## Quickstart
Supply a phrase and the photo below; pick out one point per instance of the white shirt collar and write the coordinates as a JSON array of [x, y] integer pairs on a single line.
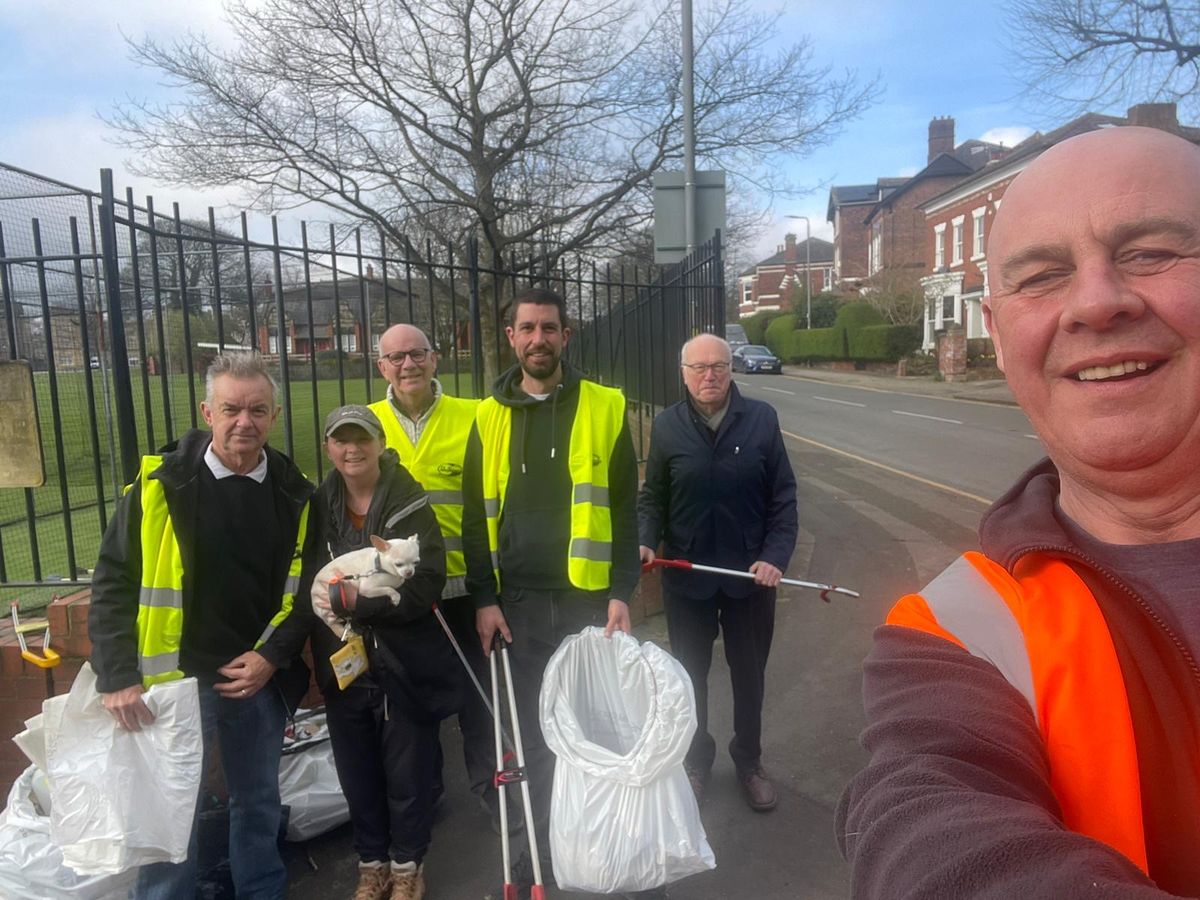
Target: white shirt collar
[[220, 470]]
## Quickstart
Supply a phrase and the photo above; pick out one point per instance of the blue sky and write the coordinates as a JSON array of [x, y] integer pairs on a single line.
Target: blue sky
[[63, 60]]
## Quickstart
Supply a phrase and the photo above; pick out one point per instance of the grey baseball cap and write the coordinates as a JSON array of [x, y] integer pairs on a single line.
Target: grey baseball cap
[[353, 414]]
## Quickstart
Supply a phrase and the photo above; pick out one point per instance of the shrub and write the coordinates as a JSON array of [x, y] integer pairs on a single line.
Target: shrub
[[756, 325], [816, 345], [778, 337], [883, 343], [857, 315]]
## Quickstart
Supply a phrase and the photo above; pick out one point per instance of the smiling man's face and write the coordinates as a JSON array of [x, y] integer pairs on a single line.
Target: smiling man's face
[[1094, 264]]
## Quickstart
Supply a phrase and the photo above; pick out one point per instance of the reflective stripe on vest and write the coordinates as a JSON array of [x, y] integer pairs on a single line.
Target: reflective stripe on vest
[[436, 463], [160, 599], [599, 418], [1043, 630]]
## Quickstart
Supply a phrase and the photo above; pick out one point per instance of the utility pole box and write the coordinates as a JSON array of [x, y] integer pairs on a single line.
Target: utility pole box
[[670, 229]]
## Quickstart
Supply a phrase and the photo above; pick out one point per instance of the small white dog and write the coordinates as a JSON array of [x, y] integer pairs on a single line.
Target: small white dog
[[376, 572]]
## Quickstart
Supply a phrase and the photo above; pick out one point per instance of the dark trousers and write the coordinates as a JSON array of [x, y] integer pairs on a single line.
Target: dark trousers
[[539, 620], [386, 762], [747, 625], [474, 721]]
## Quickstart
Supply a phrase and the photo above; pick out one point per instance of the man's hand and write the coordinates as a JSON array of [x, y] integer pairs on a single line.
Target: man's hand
[[766, 574], [618, 615], [646, 554], [128, 708], [487, 621], [247, 674]]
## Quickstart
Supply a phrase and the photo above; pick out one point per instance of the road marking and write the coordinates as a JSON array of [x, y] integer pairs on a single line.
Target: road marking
[[1034, 436], [870, 462], [875, 390], [843, 402], [780, 391], [742, 383], [901, 412]]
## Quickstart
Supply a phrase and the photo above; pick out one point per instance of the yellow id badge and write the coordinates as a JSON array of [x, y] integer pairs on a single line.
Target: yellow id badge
[[349, 662]]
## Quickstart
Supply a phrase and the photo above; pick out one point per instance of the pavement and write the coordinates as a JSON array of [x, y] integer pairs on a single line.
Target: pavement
[[987, 391]]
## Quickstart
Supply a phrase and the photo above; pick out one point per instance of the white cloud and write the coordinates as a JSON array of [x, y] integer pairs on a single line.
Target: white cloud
[[1008, 135]]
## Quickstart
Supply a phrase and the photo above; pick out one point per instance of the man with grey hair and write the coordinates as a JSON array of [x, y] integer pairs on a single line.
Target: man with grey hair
[[197, 576], [720, 491]]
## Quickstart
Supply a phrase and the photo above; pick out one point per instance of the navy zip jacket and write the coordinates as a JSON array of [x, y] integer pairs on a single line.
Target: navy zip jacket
[[726, 499]]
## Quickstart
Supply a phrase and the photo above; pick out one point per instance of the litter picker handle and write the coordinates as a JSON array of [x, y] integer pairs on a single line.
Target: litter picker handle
[[825, 589]]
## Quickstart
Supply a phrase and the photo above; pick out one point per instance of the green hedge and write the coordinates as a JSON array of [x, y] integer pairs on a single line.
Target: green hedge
[[883, 343], [859, 333], [778, 335], [756, 325], [817, 345]]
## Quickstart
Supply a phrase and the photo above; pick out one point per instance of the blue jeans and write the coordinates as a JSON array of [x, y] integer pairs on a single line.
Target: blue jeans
[[251, 736]]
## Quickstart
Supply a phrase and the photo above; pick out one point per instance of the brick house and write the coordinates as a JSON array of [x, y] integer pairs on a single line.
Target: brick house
[[898, 248], [879, 229], [956, 220], [777, 282], [849, 206]]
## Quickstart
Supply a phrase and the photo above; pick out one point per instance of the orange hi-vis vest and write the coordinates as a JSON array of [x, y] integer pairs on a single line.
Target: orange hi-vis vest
[[1043, 629]]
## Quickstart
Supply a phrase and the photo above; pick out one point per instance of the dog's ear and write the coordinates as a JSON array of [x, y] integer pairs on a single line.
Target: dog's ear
[[413, 538], [380, 544]]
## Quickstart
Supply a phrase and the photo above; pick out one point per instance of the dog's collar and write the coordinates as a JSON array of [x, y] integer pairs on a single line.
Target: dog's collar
[[376, 569]]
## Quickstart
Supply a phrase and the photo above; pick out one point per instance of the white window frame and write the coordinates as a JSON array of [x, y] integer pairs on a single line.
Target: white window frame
[[939, 245], [827, 279], [956, 242], [978, 217], [876, 247], [348, 342]]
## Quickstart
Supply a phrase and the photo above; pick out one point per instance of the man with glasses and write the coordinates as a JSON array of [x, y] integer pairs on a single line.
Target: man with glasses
[[720, 491], [429, 430]]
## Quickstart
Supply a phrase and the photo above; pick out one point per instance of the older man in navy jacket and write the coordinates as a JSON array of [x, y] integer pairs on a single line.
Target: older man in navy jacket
[[720, 491]]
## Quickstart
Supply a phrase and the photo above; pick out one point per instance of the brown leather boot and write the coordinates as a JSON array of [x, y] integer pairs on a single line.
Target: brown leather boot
[[374, 882], [408, 885], [760, 793]]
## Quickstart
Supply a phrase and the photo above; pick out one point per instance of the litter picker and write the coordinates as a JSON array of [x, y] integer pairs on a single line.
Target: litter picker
[[506, 777], [825, 589]]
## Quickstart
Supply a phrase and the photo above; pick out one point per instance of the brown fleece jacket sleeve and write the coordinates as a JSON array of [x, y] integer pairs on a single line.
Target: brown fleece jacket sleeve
[[956, 800]]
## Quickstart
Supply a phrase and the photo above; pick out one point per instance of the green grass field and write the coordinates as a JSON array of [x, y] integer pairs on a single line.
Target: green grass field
[[78, 470]]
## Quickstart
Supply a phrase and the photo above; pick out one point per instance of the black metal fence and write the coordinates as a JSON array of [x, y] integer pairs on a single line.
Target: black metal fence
[[119, 308]]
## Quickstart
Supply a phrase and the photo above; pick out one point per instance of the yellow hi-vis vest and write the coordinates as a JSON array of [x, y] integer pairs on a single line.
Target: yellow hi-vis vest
[[437, 464], [598, 422], [160, 601]]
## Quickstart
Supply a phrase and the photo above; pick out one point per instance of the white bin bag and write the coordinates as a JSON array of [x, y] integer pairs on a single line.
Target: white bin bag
[[308, 781], [619, 716], [31, 865], [120, 799]]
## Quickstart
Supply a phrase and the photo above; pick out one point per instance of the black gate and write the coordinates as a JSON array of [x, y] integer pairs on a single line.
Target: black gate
[[119, 308]]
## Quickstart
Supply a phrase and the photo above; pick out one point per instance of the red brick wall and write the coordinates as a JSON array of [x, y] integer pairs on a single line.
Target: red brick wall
[[952, 353], [853, 241], [904, 243], [985, 197]]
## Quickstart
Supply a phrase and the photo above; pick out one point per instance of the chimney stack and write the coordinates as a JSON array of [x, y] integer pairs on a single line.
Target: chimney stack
[[1154, 115], [789, 248], [941, 136]]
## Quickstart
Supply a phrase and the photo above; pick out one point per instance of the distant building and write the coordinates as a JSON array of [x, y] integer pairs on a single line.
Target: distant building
[[777, 282], [880, 228], [957, 219]]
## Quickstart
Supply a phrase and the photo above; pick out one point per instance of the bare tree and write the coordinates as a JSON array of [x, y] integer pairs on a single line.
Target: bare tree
[[1082, 52], [897, 295], [532, 125]]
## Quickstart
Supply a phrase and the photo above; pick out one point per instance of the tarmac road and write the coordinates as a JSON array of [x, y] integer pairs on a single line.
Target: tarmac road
[[886, 501]]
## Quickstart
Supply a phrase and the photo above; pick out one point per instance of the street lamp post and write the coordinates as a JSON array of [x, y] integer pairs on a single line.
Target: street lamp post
[[807, 269]]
